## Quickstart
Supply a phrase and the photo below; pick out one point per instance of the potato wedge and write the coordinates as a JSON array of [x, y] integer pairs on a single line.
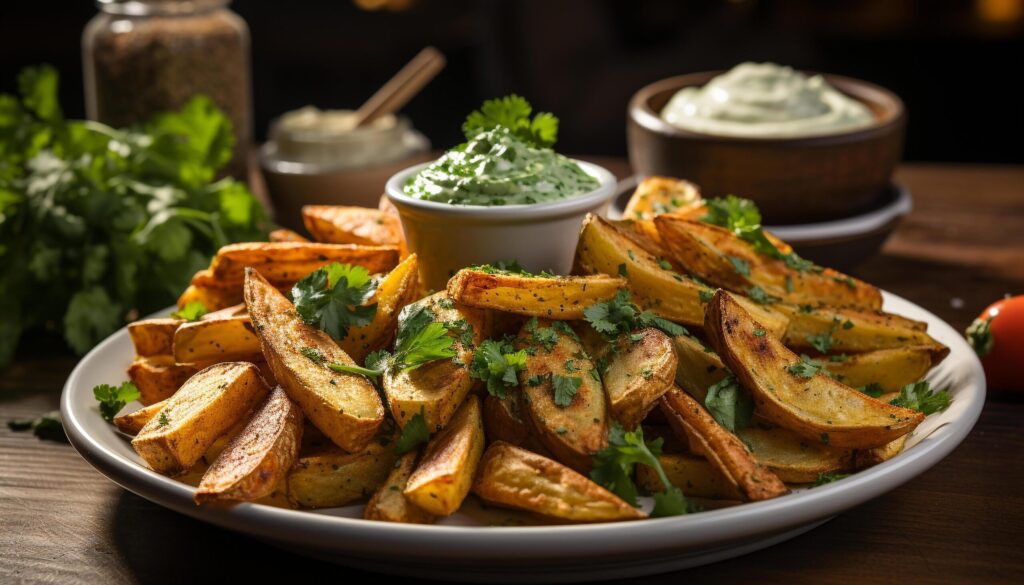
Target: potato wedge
[[657, 195], [699, 366], [866, 331], [638, 375], [791, 457], [213, 299], [603, 248], [556, 297], [818, 408], [284, 263], [334, 478], [205, 407], [516, 478], [286, 235], [337, 224], [892, 369], [399, 288], [131, 423], [503, 419], [576, 429], [443, 477], [643, 233], [723, 449], [152, 337], [217, 340], [259, 458], [695, 476], [438, 388], [870, 457], [158, 377], [389, 503], [345, 407], [722, 258]]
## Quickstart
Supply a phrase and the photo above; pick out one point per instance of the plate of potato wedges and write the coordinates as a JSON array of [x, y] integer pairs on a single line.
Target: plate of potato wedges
[[692, 391]]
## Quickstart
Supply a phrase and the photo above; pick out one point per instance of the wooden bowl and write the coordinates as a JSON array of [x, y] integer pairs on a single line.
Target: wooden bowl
[[792, 179]]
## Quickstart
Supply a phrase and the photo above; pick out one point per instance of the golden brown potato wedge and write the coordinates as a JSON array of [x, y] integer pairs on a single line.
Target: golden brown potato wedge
[[344, 406], [438, 388], [870, 457], [389, 503], [443, 477], [603, 248], [399, 288], [152, 337], [516, 478], [131, 423], [259, 458], [335, 478], [284, 263], [213, 299], [722, 258], [699, 366], [571, 426], [723, 449], [892, 369], [204, 408], [791, 457], [554, 297], [638, 375], [644, 234], [817, 408], [503, 419], [657, 195], [336, 224], [695, 476], [217, 340], [286, 235], [158, 377]]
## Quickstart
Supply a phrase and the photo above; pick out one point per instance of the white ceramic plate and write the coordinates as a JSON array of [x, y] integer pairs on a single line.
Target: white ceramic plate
[[458, 550]]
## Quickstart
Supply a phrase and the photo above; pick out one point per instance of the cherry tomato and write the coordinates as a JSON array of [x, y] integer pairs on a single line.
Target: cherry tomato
[[997, 335]]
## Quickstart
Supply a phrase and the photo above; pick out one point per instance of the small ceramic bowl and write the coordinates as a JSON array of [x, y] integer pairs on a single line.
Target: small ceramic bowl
[[542, 236]]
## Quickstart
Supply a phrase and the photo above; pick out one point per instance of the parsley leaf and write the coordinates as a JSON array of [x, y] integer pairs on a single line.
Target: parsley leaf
[[414, 433], [759, 296], [741, 217], [806, 368], [729, 404], [513, 112], [314, 355], [48, 426], [192, 311], [498, 364], [874, 389], [824, 478], [113, 398], [823, 341], [920, 397], [620, 316], [510, 267], [741, 266], [163, 419], [333, 298], [420, 340], [565, 388], [614, 467]]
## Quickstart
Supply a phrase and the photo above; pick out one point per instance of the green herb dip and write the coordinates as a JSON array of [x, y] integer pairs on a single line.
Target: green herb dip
[[497, 168]]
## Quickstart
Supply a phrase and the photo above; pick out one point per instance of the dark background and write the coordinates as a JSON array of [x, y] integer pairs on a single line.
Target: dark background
[[956, 63]]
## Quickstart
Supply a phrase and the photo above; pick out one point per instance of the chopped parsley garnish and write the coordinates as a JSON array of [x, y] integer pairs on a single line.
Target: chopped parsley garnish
[[314, 355], [874, 389], [789, 283], [979, 336], [806, 368], [742, 218], [513, 112], [839, 358], [510, 267], [498, 365], [759, 296], [759, 332], [848, 281], [47, 426], [615, 465], [823, 341], [545, 337], [414, 433], [463, 331], [920, 397], [333, 298], [620, 316], [706, 295], [824, 478], [663, 264], [192, 311], [647, 373], [113, 398], [163, 419], [420, 340], [565, 388], [623, 272], [740, 265], [730, 404], [535, 380]]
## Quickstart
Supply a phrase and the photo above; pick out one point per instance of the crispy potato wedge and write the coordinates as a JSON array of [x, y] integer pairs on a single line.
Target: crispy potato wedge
[[389, 503], [335, 478], [438, 388], [158, 377], [443, 477], [131, 423], [892, 369], [558, 297], [699, 366], [712, 253], [516, 478], [344, 406], [259, 458], [213, 299], [657, 195], [217, 340], [205, 407], [286, 235], [867, 330], [638, 375], [574, 432], [504, 420], [794, 459], [723, 449], [818, 408], [870, 457], [336, 224], [284, 263], [603, 248], [644, 234], [399, 288], [695, 476], [152, 337]]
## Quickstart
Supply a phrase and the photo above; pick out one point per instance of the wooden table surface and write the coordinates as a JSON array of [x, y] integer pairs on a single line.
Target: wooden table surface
[[962, 521]]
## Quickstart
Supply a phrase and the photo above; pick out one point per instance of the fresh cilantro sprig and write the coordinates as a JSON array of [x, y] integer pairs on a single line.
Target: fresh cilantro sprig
[[48, 426], [730, 404], [414, 433], [920, 397], [498, 364], [334, 298], [113, 398], [192, 311], [743, 218], [513, 112], [615, 465], [620, 316]]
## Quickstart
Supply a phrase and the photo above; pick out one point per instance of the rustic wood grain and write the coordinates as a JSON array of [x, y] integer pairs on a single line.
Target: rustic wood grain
[[962, 521]]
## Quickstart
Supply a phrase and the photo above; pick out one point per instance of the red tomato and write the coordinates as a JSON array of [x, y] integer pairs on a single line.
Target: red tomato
[[997, 335]]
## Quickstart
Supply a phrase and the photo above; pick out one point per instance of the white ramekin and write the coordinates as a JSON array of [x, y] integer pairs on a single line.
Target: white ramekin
[[541, 236]]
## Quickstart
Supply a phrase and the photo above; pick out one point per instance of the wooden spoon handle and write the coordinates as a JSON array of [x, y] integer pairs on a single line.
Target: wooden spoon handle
[[402, 87]]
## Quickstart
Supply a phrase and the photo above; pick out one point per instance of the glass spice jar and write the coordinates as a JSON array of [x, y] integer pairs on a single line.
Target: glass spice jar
[[142, 57]]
